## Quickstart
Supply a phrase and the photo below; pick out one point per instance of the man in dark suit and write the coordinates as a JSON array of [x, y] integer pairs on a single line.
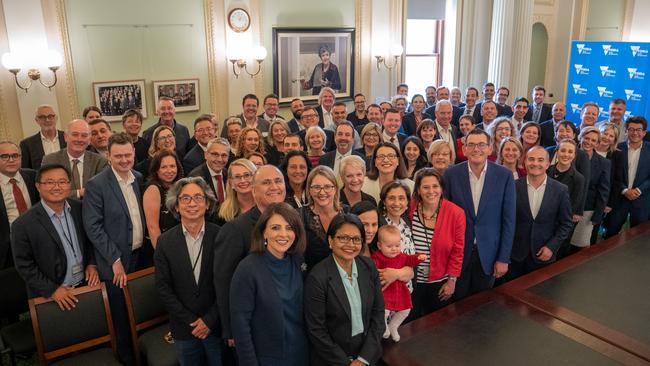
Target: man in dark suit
[[100, 132], [248, 117], [204, 131], [520, 107], [631, 180], [326, 99], [132, 124], [213, 170], [445, 130], [271, 105], [488, 95], [233, 241], [543, 216], [344, 140], [443, 94], [548, 127], [310, 118], [539, 111], [502, 101], [82, 164], [486, 191], [471, 96], [51, 250], [167, 114], [184, 262], [489, 113], [296, 110], [46, 141], [391, 125], [18, 191], [114, 221]]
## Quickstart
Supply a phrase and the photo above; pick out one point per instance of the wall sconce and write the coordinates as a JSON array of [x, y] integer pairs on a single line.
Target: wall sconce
[[238, 59], [396, 51], [14, 63]]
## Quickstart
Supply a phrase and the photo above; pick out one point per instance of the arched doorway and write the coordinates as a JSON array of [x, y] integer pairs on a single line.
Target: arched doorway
[[538, 51]]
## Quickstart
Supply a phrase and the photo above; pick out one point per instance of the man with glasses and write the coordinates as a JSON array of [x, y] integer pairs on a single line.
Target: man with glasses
[[46, 141], [631, 179], [18, 195], [51, 250], [271, 106], [310, 118], [233, 241], [82, 164], [204, 131], [213, 169], [486, 191], [358, 116], [114, 221]]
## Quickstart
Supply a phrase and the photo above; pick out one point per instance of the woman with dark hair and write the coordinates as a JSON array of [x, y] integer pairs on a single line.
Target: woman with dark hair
[[509, 155], [325, 74], [250, 140], [387, 165], [344, 305], [414, 155], [412, 120], [530, 135], [91, 112], [163, 138], [352, 170], [163, 172], [426, 132], [466, 123], [296, 167], [367, 213], [438, 229], [393, 210], [266, 293]]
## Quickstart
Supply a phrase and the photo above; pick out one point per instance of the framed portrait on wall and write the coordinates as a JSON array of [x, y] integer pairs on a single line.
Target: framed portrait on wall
[[308, 59], [184, 92], [116, 97]]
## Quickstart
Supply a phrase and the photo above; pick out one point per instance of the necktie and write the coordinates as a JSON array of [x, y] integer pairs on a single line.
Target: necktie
[[219, 187], [392, 140], [75, 174], [21, 205], [536, 112]]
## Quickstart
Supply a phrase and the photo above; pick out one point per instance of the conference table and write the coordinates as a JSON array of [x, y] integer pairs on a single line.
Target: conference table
[[591, 308]]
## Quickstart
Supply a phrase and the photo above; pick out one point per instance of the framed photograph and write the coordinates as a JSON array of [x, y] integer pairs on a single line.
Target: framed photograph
[[116, 97], [185, 93], [308, 59]]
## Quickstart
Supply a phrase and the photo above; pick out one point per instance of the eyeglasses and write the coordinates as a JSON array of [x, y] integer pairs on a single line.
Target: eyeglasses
[[328, 188], [52, 183], [480, 146], [6, 157], [44, 117], [307, 116], [346, 239], [634, 130], [186, 199], [504, 129], [386, 157], [165, 138], [238, 178]]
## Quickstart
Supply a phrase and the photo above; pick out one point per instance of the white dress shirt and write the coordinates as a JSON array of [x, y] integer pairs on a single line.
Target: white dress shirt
[[445, 134], [134, 208], [535, 196], [8, 195], [328, 121], [337, 161], [50, 146], [387, 138], [633, 156], [195, 250], [476, 186]]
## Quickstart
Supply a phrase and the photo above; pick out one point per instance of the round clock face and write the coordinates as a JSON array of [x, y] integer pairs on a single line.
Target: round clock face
[[239, 20]]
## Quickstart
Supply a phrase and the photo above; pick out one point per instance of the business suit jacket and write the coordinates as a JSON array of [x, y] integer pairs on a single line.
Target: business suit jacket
[[493, 226], [203, 172], [575, 183], [328, 159], [32, 151], [180, 131], [456, 112], [294, 126], [506, 110], [327, 314], [233, 245], [93, 164], [29, 177], [193, 158], [107, 220], [501, 111], [641, 180], [455, 134], [319, 110], [598, 185], [38, 250], [545, 114], [409, 124], [551, 227], [548, 133], [184, 299]]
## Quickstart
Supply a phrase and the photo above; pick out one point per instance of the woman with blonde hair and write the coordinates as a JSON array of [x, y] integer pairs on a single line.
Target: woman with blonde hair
[[509, 155], [352, 170], [499, 129], [278, 130], [163, 138], [239, 190], [232, 131], [315, 140], [441, 155], [250, 140], [370, 138]]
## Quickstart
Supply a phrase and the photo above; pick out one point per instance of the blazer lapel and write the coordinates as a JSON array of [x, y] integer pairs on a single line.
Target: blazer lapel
[[336, 282], [117, 191], [522, 191], [189, 261], [44, 220], [365, 287], [467, 191]]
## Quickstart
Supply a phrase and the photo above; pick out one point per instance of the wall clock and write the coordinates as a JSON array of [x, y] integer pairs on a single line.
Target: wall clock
[[239, 20]]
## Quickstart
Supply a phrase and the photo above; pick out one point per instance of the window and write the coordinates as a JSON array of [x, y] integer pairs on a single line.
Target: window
[[423, 56]]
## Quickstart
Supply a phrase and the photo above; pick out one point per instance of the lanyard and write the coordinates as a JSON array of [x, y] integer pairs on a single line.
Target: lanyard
[[196, 260], [67, 232]]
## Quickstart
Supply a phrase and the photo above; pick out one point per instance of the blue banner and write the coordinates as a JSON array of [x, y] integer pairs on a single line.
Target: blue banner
[[602, 71]]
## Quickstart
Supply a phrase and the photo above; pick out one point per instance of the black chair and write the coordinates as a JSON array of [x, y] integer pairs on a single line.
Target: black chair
[[149, 320], [17, 336], [88, 325]]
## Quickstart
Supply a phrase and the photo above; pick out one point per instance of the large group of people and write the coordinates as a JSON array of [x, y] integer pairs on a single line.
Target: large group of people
[[307, 240]]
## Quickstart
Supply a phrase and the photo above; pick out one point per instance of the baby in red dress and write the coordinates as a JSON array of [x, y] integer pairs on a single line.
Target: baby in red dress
[[397, 298]]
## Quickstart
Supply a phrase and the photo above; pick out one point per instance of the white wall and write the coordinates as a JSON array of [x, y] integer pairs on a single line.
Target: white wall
[[640, 27]]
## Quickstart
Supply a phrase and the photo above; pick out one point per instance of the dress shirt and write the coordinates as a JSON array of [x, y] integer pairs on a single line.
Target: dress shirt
[[8, 195], [80, 170], [328, 121], [469, 110], [537, 111], [134, 208], [50, 146], [535, 196], [445, 134], [195, 250], [476, 185], [215, 182], [387, 138], [337, 160], [633, 156], [354, 297], [517, 125], [66, 229]]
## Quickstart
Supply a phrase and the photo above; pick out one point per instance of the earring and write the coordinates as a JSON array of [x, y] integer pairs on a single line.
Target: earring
[[266, 242]]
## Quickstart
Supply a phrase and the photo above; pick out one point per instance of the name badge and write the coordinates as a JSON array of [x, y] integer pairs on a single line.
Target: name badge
[[77, 268]]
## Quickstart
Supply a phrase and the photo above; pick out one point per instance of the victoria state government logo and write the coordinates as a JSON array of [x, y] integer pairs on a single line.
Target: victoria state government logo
[[581, 69], [583, 49], [579, 90], [605, 71], [631, 95], [575, 108], [637, 51], [603, 92], [634, 74], [608, 50]]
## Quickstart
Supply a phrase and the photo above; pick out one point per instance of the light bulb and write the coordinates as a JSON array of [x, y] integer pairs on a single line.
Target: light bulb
[[396, 50], [259, 53], [52, 58], [11, 61]]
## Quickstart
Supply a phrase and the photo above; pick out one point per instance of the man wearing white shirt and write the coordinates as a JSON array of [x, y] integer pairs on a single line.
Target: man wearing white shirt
[[326, 99], [471, 95], [392, 123], [520, 108], [343, 138], [444, 129], [616, 115], [213, 169], [339, 113], [204, 131], [46, 141]]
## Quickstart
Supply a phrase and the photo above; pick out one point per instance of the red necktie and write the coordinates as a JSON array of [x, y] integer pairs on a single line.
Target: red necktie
[[21, 205], [219, 187]]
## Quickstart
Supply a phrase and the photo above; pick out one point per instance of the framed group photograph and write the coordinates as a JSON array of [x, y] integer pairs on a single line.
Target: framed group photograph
[[116, 97], [308, 59], [184, 92]]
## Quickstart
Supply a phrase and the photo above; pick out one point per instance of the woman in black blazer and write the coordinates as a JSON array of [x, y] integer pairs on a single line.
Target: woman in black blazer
[[266, 293], [344, 306]]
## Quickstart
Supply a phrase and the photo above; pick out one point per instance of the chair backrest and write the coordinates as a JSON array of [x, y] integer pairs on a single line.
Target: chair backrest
[[13, 297], [142, 302], [58, 332]]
